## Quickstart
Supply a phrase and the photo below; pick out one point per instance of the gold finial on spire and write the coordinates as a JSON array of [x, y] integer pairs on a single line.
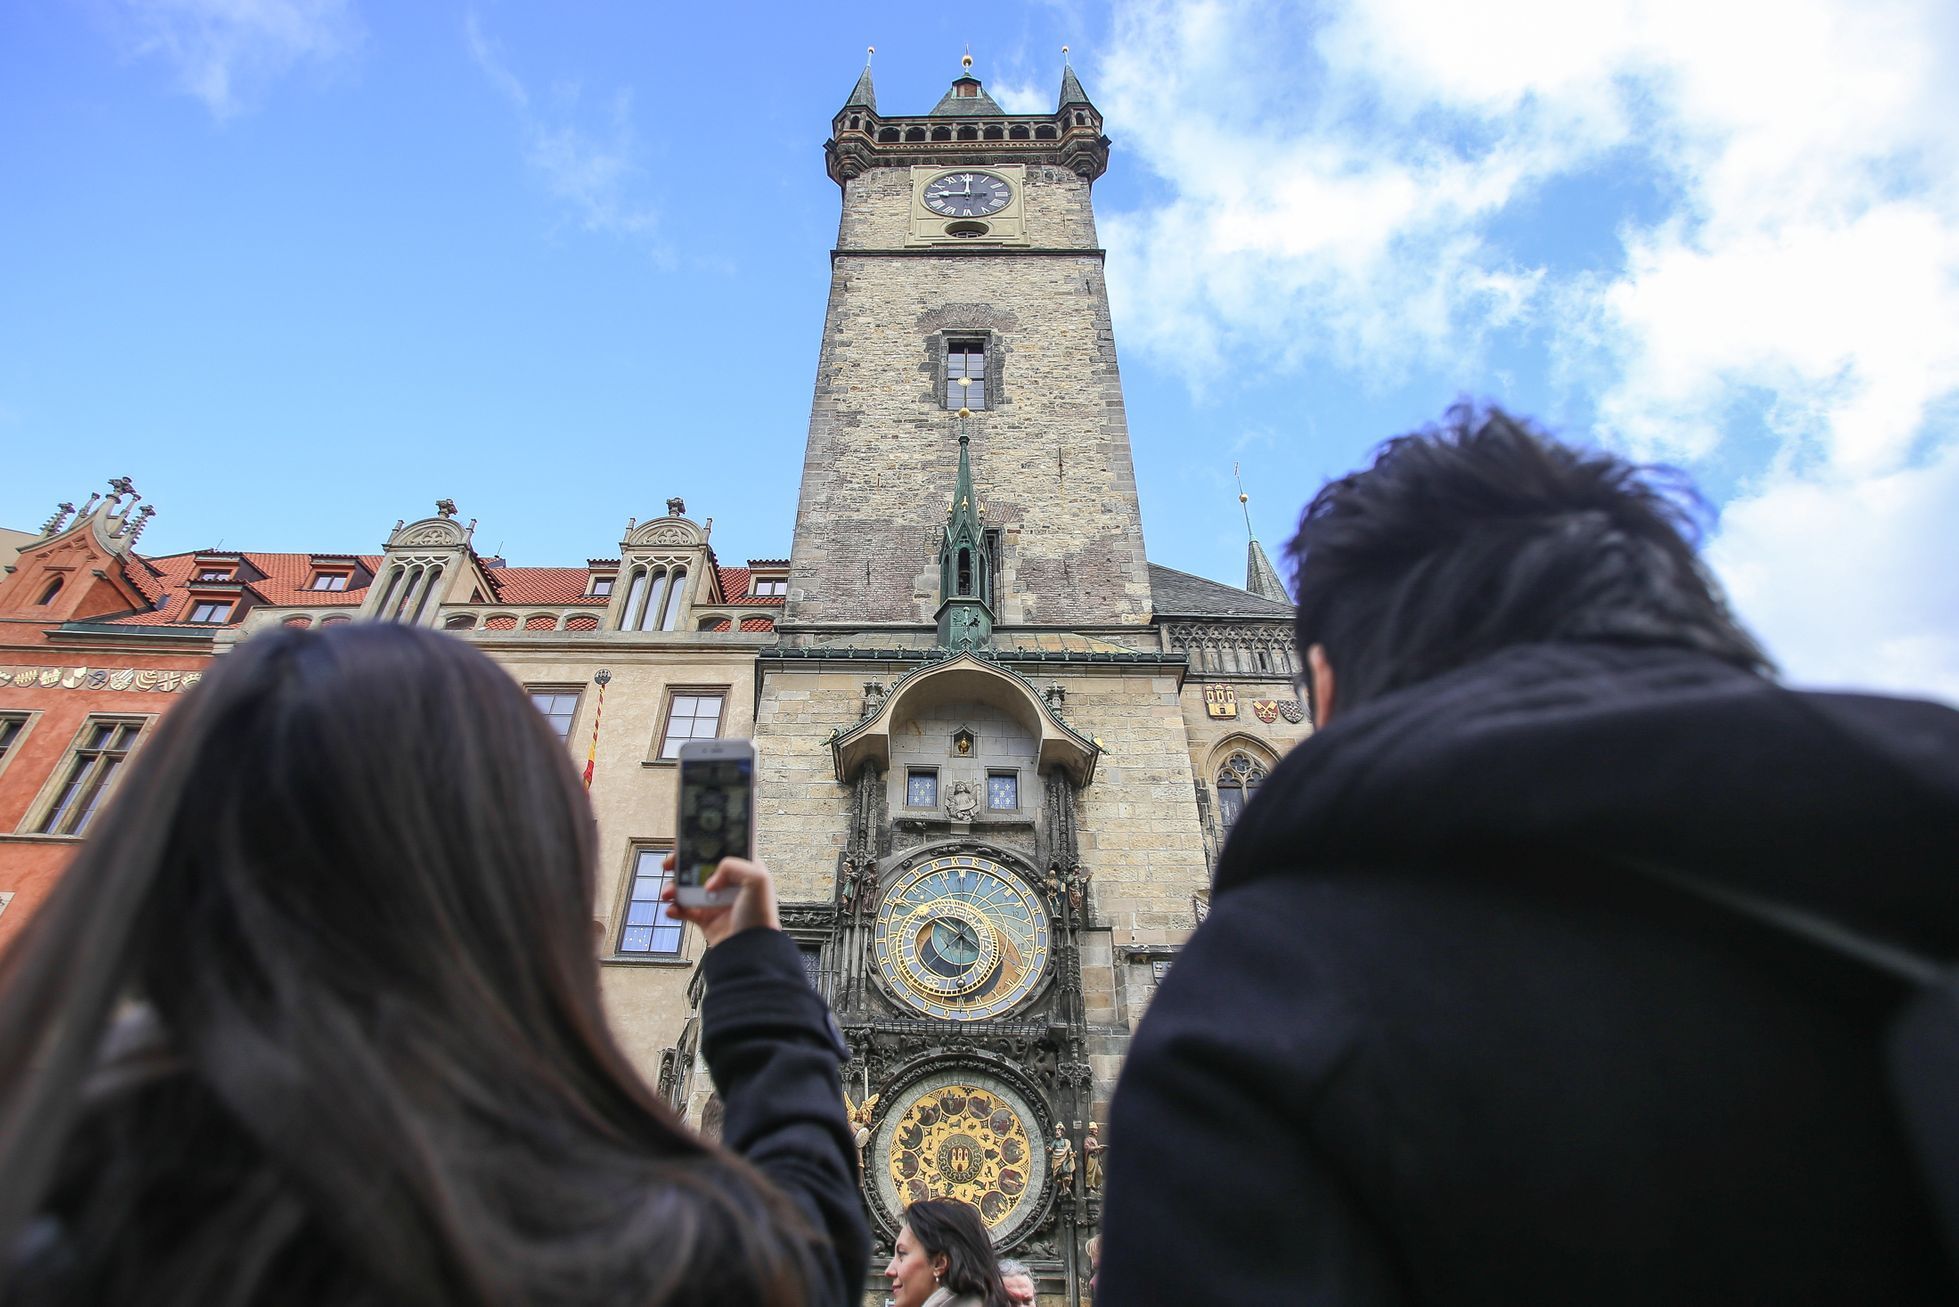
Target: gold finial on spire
[[966, 60], [869, 50], [1064, 56], [1244, 501]]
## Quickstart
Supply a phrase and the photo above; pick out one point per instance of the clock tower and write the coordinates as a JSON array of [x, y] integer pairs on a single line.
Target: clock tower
[[979, 767]]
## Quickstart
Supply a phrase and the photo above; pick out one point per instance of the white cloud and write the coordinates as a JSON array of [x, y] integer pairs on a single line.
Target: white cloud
[[1850, 581], [1791, 316], [224, 52], [596, 175]]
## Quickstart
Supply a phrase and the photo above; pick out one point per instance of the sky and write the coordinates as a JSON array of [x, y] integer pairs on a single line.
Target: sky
[[300, 268]]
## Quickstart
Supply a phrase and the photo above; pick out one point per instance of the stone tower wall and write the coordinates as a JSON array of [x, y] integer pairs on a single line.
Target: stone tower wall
[[1051, 458]]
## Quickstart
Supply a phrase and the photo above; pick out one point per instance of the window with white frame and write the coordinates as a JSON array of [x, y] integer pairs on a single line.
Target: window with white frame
[[558, 707], [647, 930], [691, 715]]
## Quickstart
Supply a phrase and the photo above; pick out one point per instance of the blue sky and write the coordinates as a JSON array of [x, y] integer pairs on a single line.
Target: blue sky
[[301, 267]]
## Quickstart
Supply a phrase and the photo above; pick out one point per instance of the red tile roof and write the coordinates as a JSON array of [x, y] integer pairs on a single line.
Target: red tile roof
[[542, 585], [735, 582], [280, 579], [758, 623]]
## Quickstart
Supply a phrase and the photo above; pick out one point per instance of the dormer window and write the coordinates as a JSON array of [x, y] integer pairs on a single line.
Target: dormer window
[[600, 586], [330, 580], [210, 611], [765, 587], [214, 573], [47, 595]]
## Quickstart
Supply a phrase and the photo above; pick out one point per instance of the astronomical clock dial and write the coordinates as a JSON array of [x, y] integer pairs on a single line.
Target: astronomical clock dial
[[967, 194], [962, 1135], [959, 938]]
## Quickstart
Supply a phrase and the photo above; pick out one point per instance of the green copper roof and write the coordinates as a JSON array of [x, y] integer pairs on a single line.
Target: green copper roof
[[861, 95], [1071, 89], [963, 521], [976, 105]]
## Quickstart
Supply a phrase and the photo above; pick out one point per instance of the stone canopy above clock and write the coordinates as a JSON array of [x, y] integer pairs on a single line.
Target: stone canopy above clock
[[966, 127]]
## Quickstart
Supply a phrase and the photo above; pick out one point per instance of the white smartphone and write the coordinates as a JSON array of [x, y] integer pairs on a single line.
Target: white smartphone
[[717, 816]]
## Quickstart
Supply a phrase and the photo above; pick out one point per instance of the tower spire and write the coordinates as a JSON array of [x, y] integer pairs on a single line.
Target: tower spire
[[863, 95], [1261, 578], [965, 563]]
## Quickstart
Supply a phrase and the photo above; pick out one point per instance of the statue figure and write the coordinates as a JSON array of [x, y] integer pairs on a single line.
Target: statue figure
[[1092, 1161], [859, 1115], [445, 508], [962, 802], [1061, 1160]]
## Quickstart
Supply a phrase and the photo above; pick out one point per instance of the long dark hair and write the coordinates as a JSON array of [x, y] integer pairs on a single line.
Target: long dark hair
[[1483, 532], [314, 1017], [952, 1228]]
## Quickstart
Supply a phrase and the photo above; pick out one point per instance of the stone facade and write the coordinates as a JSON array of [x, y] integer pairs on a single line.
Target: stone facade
[[1099, 687]]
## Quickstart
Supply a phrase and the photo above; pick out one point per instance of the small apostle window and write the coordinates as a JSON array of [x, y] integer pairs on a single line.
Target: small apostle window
[[1003, 790], [922, 788]]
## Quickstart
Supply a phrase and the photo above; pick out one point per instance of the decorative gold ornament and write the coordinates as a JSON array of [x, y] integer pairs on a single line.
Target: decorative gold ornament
[[963, 1141]]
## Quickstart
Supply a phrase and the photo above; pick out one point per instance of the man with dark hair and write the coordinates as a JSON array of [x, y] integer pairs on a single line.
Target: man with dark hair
[[1473, 1017]]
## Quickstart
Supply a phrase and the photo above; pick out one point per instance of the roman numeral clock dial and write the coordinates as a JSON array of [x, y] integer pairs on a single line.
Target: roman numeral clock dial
[[967, 194], [960, 938]]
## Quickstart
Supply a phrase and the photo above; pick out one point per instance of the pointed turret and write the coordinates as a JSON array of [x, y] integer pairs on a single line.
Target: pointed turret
[[1261, 578], [965, 563], [1071, 87], [863, 95]]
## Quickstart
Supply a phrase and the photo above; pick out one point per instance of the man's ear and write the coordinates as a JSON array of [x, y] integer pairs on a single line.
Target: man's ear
[[1322, 673]]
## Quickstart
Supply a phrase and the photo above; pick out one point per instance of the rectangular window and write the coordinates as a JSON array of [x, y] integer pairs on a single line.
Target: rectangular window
[[210, 610], [11, 725], [690, 717], [558, 707], [965, 360], [1003, 790], [601, 586], [330, 580], [922, 788], [812, 964], [214, 573], [101, 750], [764, 588], [647, 930]]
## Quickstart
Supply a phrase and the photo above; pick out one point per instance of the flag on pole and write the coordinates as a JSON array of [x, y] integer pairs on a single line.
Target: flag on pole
[[598, 711]]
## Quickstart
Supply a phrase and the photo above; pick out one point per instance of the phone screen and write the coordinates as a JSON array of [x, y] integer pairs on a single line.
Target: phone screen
[[714, 799]]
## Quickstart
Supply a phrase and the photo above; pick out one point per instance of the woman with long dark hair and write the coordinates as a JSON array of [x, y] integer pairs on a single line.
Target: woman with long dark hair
[[944, 1258], [314, 1018]]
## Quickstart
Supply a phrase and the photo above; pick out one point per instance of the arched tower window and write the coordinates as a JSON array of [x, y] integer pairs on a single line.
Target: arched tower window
[[385, 608], [47, 595], [635, 601], [1238, 779], [965, 571], [676, 590]]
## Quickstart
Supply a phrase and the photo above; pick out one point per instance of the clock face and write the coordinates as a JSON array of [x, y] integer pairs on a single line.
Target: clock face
[[960, 1133], [967, 194], [960, 938]]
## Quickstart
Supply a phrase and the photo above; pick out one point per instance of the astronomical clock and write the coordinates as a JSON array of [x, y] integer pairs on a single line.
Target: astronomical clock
[[961, 938]]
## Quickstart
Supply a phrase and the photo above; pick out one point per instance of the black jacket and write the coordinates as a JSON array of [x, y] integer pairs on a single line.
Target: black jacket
[[773, 1050], [1434, 1044]]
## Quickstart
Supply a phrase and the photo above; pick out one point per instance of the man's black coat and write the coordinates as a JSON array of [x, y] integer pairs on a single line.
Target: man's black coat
[[1434, 1045]]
